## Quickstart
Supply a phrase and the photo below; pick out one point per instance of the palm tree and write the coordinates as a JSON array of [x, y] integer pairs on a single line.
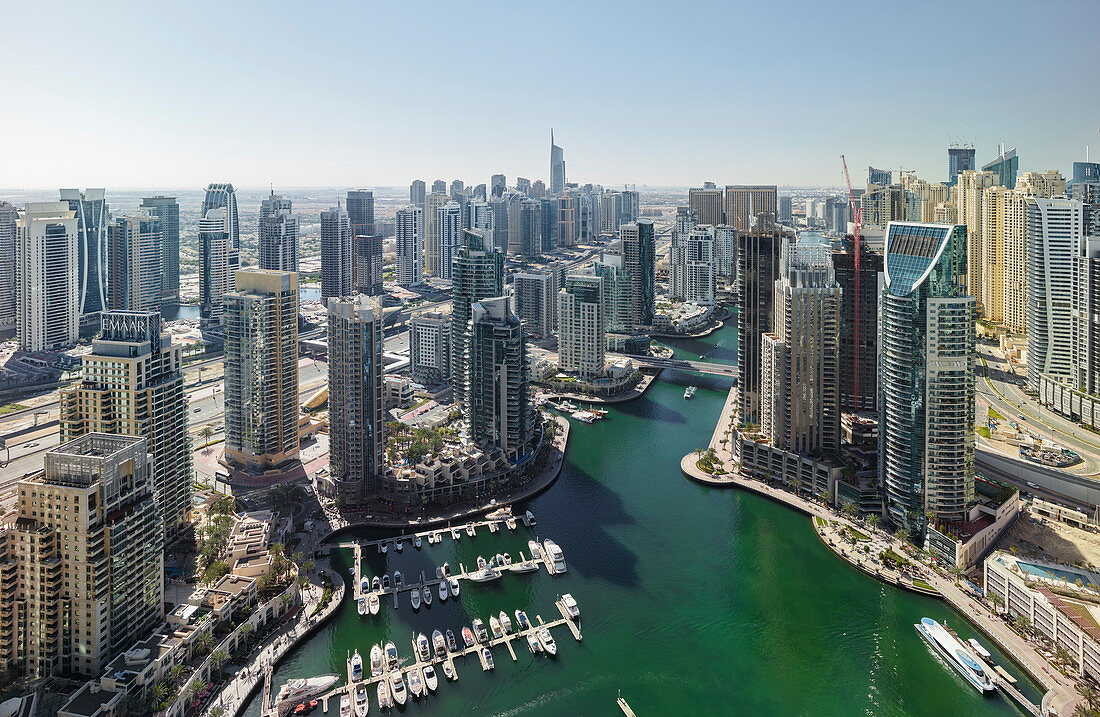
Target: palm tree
[[218, 658], [176, 672], [900, 535], [1062, 655], [217, 711], [957, 573], [160, 694], [874, 521], [207, 433], [796, 484], [1081, 711], [1090, 693], [195, 688], [997, 601]]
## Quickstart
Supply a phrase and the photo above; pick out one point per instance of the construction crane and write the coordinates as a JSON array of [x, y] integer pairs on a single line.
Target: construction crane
[[857, 218]]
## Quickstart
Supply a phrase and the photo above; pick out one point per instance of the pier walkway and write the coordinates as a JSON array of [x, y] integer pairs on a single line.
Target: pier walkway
[[1060, 694]]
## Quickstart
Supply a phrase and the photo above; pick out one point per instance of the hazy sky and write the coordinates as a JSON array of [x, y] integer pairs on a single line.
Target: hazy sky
[[367, 93]]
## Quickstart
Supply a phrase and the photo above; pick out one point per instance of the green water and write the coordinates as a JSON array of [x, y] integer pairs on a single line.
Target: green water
[[693, 600]]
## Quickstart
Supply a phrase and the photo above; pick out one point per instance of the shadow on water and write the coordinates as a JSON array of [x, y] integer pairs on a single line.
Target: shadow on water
[[652, 411]]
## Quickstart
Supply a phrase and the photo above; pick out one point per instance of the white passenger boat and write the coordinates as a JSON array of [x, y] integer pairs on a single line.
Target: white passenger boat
[[303, 688], [524, 566], [494, 625], [362, 704], [488, 655], [978, 649], [505, 622], [384, 699], [416, 599], [439, 643], [391, 655], [951, 649], [452, 584], [522, 622], [547, 641], [427, 592], [530, 518], [416, 682], [423, 647], [454, 533], [356, 667], [484, 575], [535, 548], [572, 609], [448, 671], [372, 604], [362, 607], [443, 591], [499, 513], [375, 584], [345, 705], [430, 679], [479, 631], [554, 554], [533, 644], [375, 660], [399, 544], [510, 522], [397, 686], [417, 542]]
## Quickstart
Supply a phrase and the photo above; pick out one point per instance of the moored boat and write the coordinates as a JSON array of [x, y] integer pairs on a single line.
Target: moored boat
[[547, 641], [494, 625], [391, 655], [416, 682], [510, 522], [479, 631], [417, 542], [488, 655], [362, 606], [416, 599], [442, 591], [499, 513], [373, 604], [429, 678], [356, 667], [345, 705], [375, 584], [305, 687], [423, 647], [978, 649], [530, 518], [386, 582], [470, 530], [571, 608], [951, 649], [452, 585], [448, 671], [384, 699], [468, 637], [375, 660], [524, 566], [493, 527], [689, 392], [398, 544], [397, 581], [452, 644], [554, 554], [522, 621], [397, 686], [533, 644], [455, 533], [535, 548], [427, 592], [439, 643], [364, 586], [362, 704], [505, 622], [383, 547]]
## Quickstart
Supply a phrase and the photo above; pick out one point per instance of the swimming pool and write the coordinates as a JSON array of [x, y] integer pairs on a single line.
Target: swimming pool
[[1056, 574]]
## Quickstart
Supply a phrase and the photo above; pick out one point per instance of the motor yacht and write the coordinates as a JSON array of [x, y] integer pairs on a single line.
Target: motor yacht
[[547, 641], [391, 655], [487, 653], [303, 688], [386, 583], [951, 649], [443, 591], [397, 686], [452, 585], [423, 647], [345, 705], [572, 609], [416, 599], [533, 644], [398, 544], [470, 530], [417, 542], [448, 671], [554, 554], [468, 637], [479, 631], [452, 644], [384, 699], [439, 643], [494, 625], [505, 622], [373, 604], [427, 592], [416, 682], [362, 607], [522, 621], [375, 584], [362, 704], [430, 679], [356, 667], [375, 660]]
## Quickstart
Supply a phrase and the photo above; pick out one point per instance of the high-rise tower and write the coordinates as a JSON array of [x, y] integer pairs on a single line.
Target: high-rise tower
[[409, 231], [91, 215], [220, 242], [557, 168], [278, 235], [135, 271], [477, 273], [167, 209], [337, 278], [47, 277]]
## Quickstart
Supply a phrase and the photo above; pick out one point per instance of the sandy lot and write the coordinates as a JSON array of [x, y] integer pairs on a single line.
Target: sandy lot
[[1056, 542]]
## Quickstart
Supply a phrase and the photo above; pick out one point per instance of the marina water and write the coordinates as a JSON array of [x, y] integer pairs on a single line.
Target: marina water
[[693, 600]]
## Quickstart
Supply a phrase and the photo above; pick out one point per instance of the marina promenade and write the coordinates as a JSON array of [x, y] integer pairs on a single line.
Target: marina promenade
[[1060, 694]]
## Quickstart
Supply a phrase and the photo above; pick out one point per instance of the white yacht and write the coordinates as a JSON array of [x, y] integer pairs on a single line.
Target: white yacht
[[362, 704], [391, 655], [362, 607], [547, 641], [430, 679], [533, 644], [530, 518], [554, 554], [375, 660], [384, 699], [303, 688], [416, 682], [488, 658], [470, 530], [505, 622], [417, 542], [452, 584], [448, 671], [399, 544], [383, 547], [572, 609], [427, 591], [442, 591], [494, 625], [951, 649], [479, 631], [356, 667], [423, 647], [416, 599], [510, 522], [345, 705], [689, 392], [439, 643], [535, 548], [454, 533], [373, 604], [521, 620], [364, 586], [386, 583], [375, 584], [397, 684]]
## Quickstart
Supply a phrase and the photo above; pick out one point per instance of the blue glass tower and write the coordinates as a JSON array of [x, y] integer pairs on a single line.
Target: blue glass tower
[[1006, 165]]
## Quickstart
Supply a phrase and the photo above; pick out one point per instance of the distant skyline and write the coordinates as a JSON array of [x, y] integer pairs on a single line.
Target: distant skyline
[[378, 94]]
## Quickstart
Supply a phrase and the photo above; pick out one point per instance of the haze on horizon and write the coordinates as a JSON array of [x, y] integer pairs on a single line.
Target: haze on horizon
[[377, 94]]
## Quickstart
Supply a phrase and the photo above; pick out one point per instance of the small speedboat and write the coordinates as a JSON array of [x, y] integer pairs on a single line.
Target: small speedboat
[[429, 678], [439, 573], [494, 625], [423, 647], [384, 699], [479, 631], [689, 392], [416, 682], [522, 621], [383, 547], [397, 579], [356, 667], [444, 570], [439, 643], [481, 564], [391, 655], [386, 582], [505, 622], [448, 671], [364, 586], [454, 533], [571, 608], [443, 591], [506, 559], [375, 660], [362, 704], [470, 530], [511, 523], [416, 599], [493, 527], [547, 641], [452, 644], [427, 592], [524, 566], [467, 636], [398, 544], [535, 548], [375, 584], [487, 653], [533, 644], [452, 583], [397, 684], [362, 607], [530, 518], [345, 705], [417, 542], [372, 604]]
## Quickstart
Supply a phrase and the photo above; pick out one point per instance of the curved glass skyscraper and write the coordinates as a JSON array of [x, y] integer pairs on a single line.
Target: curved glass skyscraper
[[926, 375]]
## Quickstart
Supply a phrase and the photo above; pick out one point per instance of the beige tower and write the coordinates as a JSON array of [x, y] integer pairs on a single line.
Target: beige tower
[[432, 231], [1028, 184], [968, 196]]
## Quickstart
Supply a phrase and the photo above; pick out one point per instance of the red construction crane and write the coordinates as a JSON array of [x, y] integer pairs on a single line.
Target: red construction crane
[[857, 218]]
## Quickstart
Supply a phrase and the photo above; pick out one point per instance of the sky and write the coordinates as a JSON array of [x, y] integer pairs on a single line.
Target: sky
[[367, 93]]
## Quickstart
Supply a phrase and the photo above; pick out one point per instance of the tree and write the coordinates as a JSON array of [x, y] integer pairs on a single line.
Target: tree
[[796, 484], [957, 573], [996, 600], [215, 572], [1090, 693], [204, 642], [874, 521], [194, 689], [207, 434], [217, 711], [176, 672], [160, 694], [901, 535], [218, 658]]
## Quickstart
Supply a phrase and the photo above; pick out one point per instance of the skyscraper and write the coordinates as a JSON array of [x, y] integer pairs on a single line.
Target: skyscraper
[[132, 385], [167, 209], [361, 212], [610, 212], [1084, 172], [498, 183], [757, 269], [959, 159], [548, 223], [220, 241], [1055, 238], [433, 263], [926, 376], [744, 203], [430, 348], [477, 273], [439, 186], [706, 204], [639, 256], [557, 168], [47, 277], [700, 268], [356, 406], [337, 278], [496, 402], [581, 341], [91, 215], [366, 242], [409, 231], [135, 273], [863, 303], [534, 296], [566, 234], [686, 220], [786, 210], [449, 219], [457, 187], [278, 235], [417, 192], [525, 228], [261, 369], [87, 559], [800, 363], [725, 251], [1005, 166], [879, 177], [9, 229], [617, 290], [968, 197]]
